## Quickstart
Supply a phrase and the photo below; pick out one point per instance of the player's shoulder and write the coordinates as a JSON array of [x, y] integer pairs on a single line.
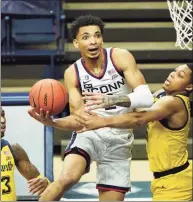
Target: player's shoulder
[[70, 70], [168, 98], [120, 52], [4, 143], [171, 102], [18, 152], [70, 76], [16, 146], [122, 57]]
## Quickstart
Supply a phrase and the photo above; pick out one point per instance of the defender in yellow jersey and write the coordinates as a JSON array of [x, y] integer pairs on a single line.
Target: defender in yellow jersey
[[7, 172], [14, 155], [168, 130]]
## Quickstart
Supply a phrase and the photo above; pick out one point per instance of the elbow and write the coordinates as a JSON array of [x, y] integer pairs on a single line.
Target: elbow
[[141, 97]]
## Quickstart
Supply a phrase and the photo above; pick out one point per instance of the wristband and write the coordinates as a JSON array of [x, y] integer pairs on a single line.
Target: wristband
[[40, 176]]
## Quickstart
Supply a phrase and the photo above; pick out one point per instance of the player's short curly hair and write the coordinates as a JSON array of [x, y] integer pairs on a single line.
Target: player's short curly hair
[[85, 20]]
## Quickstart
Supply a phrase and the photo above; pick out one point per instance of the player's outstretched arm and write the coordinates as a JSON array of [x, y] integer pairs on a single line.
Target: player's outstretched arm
[[66, 123], [163, 108], [75, 102], [36, 183], [141, 97]]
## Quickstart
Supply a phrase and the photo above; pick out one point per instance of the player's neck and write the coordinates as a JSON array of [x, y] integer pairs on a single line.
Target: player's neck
[[94, 63], [177, 93]]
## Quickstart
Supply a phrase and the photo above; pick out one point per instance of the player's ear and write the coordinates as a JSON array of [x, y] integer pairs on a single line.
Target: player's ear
[[190, 87], [75, 43]]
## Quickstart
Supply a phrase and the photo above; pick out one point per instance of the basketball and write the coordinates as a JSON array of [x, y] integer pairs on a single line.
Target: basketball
[[48, 94]]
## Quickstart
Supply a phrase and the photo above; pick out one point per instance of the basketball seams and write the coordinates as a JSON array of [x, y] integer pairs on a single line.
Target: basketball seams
[[39, 96], [52, 97], [65, 97]]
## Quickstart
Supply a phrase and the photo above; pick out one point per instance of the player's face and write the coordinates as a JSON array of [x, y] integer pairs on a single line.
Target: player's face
[[179, 80], [89, 41], [3, 122]]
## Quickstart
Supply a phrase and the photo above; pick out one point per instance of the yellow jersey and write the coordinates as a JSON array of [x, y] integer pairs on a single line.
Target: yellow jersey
[[7, 172], [166, 147]]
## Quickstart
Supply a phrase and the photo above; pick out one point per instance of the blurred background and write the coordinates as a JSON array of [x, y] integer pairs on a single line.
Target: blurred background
[[35, 44]]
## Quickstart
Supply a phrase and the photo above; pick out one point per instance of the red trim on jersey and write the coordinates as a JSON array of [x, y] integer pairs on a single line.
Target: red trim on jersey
[[116, 67], [105, 63], [78, 151], [82, 152], [104, 66], [67, 151], [111, 189], [77, 78]]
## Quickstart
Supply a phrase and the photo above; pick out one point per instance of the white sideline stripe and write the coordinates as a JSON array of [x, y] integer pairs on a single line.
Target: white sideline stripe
[[126, 199]]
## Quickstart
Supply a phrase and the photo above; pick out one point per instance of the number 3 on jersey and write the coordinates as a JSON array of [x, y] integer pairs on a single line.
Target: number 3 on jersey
[[5, 188]]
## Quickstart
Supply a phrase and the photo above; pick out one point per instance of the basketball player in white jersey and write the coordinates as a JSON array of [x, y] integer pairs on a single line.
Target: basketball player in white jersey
[[109, 71]]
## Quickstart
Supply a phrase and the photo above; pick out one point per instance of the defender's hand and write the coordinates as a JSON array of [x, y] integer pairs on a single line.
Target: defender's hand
[[37, 185], [90, 121], [97, 100]]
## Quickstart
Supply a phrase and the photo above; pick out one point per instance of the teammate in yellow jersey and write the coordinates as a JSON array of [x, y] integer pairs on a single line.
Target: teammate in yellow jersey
[[168, 130], [14, 155]]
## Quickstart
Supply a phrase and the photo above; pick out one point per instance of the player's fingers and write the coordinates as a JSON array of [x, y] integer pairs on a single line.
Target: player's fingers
[[34, 182], [47, 115], [34, 186], [89, 104], [30, 112], [87, 98], [42, 113], [93, 97], [96, 102], [33, 114], [31, 180], [40, 192], [81, 119], [95, 107], [89, 93], [37, 189], [91, 113], [31, 187]]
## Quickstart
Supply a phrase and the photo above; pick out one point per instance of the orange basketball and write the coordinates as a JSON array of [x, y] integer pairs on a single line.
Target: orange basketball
[[48, 94]]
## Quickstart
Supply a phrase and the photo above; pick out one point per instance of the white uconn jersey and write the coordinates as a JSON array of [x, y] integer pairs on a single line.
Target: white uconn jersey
[[110, 81]]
